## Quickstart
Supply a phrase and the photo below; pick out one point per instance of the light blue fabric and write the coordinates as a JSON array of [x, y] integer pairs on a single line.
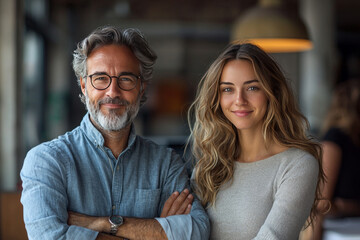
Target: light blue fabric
[[74, 173]]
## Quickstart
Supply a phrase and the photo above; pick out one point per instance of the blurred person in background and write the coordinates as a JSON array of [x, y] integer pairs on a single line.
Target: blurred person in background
[[341, 156], [101, 180], [257, 172]]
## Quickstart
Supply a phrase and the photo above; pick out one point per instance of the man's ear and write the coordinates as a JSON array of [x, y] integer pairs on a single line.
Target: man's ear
[[143, 87], [82, 85]]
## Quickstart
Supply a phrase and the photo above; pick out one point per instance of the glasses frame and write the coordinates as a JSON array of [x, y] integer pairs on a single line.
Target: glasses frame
[[117, 80]]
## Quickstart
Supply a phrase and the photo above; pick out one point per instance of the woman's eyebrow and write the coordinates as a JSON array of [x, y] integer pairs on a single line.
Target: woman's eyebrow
[[251, 81], [247, 82], [226, 83]]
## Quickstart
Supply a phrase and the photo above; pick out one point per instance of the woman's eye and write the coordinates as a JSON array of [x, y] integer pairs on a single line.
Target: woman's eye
[[253, 88], [226, 89]]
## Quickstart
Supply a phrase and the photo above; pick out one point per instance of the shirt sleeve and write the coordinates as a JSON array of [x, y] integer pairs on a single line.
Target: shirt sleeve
[[44, 197], [195, 225], [293, 199]]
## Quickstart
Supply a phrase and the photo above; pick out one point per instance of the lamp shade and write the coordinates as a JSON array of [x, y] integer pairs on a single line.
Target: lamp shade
[[272, 29]]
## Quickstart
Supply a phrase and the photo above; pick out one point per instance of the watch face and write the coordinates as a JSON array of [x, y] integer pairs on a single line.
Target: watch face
[[118, 220]]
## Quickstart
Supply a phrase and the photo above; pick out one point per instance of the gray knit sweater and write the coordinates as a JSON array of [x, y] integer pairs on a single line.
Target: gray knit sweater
[[267, 199]]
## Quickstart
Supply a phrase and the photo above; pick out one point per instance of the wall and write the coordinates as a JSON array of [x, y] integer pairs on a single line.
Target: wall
[[8, 96]]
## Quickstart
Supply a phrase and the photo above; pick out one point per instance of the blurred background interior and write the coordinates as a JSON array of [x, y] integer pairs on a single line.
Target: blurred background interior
[[39, 92]]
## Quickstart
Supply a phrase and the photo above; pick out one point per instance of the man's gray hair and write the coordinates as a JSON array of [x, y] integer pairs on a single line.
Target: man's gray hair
[[107, 35]]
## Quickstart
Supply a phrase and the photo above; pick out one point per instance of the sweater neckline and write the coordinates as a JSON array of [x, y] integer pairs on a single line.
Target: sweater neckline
[[275, 156]]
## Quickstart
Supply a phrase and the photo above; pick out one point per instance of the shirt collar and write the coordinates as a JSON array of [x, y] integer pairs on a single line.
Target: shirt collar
[[95, 135]]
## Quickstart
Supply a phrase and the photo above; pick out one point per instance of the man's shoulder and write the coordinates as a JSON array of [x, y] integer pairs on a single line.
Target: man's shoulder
[[149, 144], [152, 149], [58, 145]]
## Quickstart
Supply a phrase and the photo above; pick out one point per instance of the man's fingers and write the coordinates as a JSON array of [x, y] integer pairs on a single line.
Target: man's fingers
[[180, 204], [188, 209], [185, 204], [168, 204]]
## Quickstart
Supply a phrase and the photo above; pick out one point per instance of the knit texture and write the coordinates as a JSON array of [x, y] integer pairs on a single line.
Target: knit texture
[[267, 199]]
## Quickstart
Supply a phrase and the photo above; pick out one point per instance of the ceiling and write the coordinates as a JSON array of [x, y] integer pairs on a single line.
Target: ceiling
[[346, 11]]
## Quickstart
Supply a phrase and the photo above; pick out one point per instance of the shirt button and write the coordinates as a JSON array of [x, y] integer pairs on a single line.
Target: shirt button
[[118, 168], [113, 207]]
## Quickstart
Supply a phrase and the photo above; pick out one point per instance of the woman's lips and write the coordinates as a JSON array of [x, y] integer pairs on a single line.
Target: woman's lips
[[242, 113]]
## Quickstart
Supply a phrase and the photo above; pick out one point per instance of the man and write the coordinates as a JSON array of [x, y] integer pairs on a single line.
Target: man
[[100, 178]]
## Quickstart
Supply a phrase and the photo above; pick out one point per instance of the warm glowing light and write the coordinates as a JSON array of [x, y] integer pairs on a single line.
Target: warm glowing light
[[278, 45], [272, 28]]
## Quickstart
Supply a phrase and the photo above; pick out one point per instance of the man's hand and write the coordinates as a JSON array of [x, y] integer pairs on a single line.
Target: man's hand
[[133, 228], [104, 236], [178, 204], [94, 223]]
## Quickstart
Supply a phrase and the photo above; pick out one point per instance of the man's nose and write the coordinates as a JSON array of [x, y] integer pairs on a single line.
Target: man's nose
[[113, 90]]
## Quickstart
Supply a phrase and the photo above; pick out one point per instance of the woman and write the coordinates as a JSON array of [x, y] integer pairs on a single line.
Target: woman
[[257, 172], [341, 146]]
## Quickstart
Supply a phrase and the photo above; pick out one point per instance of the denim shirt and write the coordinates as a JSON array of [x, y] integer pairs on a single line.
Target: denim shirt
[[76, 172]]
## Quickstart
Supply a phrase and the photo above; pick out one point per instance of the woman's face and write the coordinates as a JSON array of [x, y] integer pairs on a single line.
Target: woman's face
[[242, 98]]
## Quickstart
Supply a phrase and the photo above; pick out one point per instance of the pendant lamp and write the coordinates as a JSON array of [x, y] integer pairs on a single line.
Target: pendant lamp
[[269, 26]]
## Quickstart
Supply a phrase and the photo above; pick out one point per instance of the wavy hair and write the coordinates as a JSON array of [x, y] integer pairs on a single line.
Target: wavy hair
[[214, 140], [107, 35], [344, 111]]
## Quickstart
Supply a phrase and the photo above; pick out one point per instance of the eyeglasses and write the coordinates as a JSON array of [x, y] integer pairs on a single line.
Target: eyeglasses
[[102, 81]]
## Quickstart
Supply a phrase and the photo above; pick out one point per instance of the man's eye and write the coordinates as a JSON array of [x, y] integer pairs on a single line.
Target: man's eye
[[125, 79], [101, 78]]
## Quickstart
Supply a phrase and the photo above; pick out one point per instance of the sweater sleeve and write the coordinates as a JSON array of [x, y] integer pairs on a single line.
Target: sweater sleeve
[[293, 199]]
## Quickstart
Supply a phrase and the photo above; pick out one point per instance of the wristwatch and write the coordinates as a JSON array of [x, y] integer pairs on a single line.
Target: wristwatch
[[115, 223]]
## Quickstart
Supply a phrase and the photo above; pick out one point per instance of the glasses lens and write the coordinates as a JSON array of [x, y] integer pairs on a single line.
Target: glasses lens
[[127, 82], [100, 81]]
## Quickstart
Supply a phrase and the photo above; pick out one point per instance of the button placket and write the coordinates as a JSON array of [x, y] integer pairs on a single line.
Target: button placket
[[117, 185]]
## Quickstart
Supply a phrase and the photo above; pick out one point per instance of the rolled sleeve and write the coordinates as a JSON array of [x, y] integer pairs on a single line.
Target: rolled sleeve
[[181, 227], [177, 227], [44, 198], [195, 225]]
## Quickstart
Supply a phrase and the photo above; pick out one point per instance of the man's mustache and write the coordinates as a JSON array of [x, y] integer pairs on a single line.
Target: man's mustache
[[116, 100]]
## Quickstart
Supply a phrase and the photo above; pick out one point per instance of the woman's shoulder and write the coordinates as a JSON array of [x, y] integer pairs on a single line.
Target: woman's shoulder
[[297, 152], [291, 154], [300, 161], [289, 160]]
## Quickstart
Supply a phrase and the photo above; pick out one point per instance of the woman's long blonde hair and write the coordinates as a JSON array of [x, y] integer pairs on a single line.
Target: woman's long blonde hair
[[214, 139]]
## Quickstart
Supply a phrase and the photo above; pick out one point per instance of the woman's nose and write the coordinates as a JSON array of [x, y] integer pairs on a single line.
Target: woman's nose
[[241, 98]]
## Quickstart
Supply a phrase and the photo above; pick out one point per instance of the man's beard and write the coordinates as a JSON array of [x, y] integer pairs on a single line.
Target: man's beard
[[113, 121]]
